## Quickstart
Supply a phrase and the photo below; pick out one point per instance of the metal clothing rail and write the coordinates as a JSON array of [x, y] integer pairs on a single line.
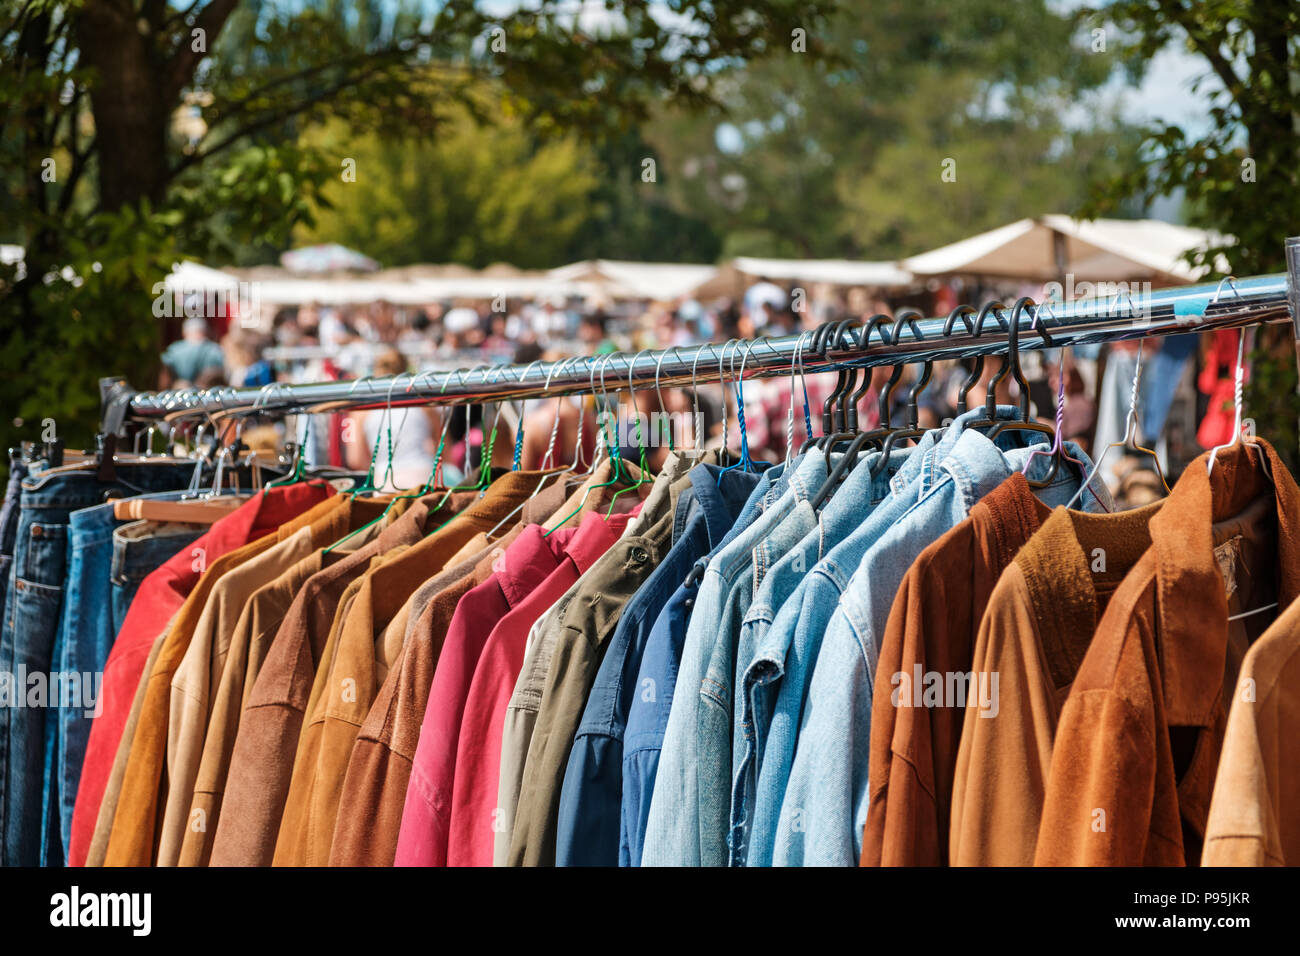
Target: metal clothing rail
[[1228, 304]]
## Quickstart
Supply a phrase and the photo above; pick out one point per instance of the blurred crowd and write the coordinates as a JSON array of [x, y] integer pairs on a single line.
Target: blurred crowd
[[1178, 411]]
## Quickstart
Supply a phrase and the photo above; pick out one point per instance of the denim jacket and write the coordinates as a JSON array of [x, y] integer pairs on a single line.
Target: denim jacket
[[759, 663], [648, 715], [811, 805], [588, 826], [695, 765]]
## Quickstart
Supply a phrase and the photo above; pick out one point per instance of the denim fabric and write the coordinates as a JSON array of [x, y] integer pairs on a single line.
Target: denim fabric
[[588, 829], [139, 548], [9, 524], [695, 766], [1164, 372], [32, 610], [647, 718], [758, 660], [811, 803], [86, 632]]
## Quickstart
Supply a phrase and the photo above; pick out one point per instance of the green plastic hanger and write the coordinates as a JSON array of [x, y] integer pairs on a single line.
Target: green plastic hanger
[[485, 459], [368, 485], [601, 436], [642, 478]]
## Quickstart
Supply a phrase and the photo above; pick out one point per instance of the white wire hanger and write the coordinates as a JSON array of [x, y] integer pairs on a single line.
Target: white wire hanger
[[1130, 436]]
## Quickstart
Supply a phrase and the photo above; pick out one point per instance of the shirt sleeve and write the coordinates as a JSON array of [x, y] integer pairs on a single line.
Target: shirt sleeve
[[825, 803]]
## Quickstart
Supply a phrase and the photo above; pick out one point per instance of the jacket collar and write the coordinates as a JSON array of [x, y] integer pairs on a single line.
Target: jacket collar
[[1070, 566], [1192, 606]]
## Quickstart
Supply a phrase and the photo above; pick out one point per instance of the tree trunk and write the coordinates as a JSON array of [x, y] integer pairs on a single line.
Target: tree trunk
[[131, 104]]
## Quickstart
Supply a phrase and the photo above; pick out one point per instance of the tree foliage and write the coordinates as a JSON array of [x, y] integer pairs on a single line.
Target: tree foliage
[[136, 132], [843, 154], [1239, 172]]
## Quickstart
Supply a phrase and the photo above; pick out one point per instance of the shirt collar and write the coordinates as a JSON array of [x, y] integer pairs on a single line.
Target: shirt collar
[[263, 513], [528, 560], [595, 536], [711, 499], [1063, 565], [1191, 603]]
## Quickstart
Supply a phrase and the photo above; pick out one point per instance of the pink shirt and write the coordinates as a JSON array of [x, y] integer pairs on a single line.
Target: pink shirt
[[524, 565], [478, 751]]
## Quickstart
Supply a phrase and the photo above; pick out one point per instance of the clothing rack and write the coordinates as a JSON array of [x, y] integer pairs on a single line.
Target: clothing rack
[[1230, 303]]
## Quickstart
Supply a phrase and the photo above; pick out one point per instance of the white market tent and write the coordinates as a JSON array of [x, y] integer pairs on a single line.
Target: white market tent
[[832, 271], [1046, 247], [636, 280], [193, 277]]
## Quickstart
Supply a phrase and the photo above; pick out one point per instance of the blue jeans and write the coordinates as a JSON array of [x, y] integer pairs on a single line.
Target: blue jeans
[[33, 605], [97, 558], [139, 549], [9, 524]]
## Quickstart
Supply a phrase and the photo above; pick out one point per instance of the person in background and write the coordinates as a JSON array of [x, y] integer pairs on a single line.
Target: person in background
[[185, 360], [414, 431], [761, 292], [593, 336], [243, 348]]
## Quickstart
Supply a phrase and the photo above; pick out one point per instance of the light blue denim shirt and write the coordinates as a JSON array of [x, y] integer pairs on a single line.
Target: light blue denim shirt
[[852, 503], [673, 835], [812, 799], [657, 679]]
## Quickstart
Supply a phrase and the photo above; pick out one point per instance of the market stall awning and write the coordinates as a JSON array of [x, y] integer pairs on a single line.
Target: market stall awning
[[327, 257], [833, 271], [1045, 248], [637, 280]]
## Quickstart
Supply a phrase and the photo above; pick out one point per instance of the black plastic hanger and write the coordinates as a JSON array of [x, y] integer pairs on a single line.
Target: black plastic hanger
[[837, 472], [913, 429], [1011, 365], [833, 414]]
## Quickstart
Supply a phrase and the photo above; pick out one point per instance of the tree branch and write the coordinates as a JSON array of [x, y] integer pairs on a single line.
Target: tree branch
[[186, 59], [279, 116], [1208, 47]]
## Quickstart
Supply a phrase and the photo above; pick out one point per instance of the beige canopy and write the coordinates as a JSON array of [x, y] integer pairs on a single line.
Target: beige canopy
[[1047, 248]]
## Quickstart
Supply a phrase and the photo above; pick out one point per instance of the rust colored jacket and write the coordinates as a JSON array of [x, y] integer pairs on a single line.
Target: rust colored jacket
[[1032, 640], [933, 624], [1139, 738], [345, 689], [261, 763], [133, 837]]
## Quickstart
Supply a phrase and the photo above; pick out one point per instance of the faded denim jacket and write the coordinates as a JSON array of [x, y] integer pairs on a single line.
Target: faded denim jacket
[[812, 798], [757, 677], [648, 716], [695, 765]]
